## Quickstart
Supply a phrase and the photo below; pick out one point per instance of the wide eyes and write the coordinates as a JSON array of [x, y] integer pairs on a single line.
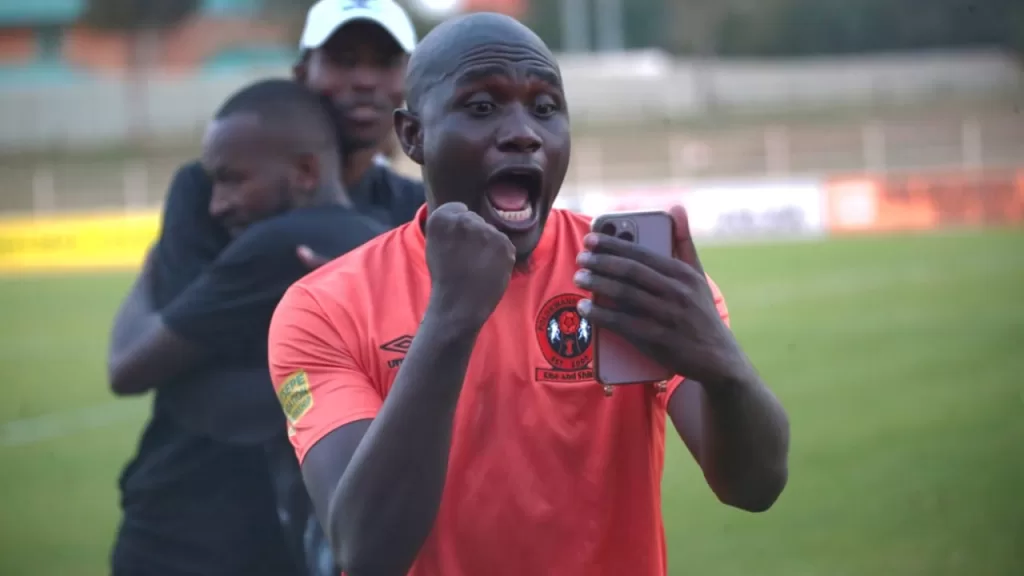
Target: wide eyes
[[545, 106], [482, 105]]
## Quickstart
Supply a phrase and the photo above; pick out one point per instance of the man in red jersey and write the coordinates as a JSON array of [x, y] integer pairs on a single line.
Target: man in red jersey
[[441, 429]]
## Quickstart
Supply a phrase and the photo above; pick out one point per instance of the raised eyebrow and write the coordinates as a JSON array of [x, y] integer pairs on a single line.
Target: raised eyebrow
[[479, 73], [545, 75]]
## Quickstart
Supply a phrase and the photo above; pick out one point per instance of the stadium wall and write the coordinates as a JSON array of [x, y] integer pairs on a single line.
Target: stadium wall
[[742, 210], [621, 89]]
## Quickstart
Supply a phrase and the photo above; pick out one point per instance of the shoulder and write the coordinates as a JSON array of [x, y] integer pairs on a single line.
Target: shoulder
[[333, 220], [190, 182], [574, 219], [570, 224], [331, 231], [362, 266], [405, 185], [192, 169], [340, 292], [404, 190], [188, 198]]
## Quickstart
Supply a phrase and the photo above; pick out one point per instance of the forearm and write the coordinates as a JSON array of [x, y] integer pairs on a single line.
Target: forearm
[[152, 357], [144, 352], [134, 318], [746, 441], [385, 504]]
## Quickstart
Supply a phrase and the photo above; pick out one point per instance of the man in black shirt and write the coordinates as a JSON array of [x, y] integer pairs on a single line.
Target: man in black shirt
[[353, 53], [198, 498]]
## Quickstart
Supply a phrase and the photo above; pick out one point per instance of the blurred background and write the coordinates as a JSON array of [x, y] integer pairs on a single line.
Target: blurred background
[[854, 167]]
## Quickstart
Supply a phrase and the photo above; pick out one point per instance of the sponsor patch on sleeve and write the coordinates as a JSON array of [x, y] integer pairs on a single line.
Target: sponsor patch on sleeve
[[295, 397]]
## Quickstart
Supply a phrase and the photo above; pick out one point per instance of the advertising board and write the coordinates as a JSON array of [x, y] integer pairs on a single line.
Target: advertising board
[[108, 241], [925, 201], [726, 210]]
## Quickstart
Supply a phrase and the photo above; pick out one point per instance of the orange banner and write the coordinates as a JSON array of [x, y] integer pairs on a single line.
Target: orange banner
[[925, 202]]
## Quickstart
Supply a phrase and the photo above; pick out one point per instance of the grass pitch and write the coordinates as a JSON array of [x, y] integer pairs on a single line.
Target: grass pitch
[[900, 360]]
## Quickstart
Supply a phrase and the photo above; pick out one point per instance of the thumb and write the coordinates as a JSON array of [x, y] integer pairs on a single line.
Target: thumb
[[685, 248], [311, 259]]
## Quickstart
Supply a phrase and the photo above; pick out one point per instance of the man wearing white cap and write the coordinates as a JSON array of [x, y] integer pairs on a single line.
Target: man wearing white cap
[[354, 52]]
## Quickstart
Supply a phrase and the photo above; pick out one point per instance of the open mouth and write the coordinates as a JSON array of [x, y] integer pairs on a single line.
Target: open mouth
[[513, 194]]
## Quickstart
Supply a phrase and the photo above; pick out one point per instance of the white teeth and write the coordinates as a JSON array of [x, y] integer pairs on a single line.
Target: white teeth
[[517, 215]]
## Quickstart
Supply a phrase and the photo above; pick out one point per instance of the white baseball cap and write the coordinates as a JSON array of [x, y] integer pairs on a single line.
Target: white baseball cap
[[327, 16]]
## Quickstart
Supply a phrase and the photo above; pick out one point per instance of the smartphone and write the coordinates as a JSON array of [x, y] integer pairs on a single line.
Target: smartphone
[[616, 361]]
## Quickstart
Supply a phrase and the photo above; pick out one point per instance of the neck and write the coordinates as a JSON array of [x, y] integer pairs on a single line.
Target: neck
[[356, 163], [329, 194]]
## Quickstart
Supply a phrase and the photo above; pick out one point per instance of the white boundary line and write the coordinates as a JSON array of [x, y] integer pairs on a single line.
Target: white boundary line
[[60, 424]]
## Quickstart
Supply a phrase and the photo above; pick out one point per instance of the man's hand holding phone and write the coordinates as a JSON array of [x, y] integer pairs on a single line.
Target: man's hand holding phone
[[662, 305]]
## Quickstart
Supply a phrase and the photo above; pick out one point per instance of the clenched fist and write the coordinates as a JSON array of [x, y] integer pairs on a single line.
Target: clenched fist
[[470, 265]]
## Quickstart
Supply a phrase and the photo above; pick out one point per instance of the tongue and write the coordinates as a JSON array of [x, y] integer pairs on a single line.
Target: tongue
[[508, 197]]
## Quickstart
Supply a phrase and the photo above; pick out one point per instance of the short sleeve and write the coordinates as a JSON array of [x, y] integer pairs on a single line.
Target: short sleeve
[[318, 382], [228, 308], [723, 311]]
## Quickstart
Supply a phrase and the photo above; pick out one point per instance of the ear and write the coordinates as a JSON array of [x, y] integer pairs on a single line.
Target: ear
[[308, 173], [409, 130]]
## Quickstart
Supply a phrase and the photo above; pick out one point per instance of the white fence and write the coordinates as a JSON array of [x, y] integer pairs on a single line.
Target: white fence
[[623, 88], [988, 139]]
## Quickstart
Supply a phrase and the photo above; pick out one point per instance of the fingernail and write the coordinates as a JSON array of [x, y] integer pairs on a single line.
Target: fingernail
[[583, 307], [582, 278], [590, 240], [584, 258]]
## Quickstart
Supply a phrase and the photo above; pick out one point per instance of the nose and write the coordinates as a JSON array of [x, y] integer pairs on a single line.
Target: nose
[[518, 135], [364, 78]]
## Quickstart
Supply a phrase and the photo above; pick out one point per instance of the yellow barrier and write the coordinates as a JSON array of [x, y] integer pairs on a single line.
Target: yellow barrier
[[108, 241]]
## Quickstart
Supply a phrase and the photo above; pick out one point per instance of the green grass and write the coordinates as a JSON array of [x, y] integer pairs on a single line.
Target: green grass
[[899, 359]]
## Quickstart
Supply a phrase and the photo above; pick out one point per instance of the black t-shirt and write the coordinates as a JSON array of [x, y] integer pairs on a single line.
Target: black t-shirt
[[182, 485], [227, 312], [387, 197], [190, 239], [185, 512], [228, 309]]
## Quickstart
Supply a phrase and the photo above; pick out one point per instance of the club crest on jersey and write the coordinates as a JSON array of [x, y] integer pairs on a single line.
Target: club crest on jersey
[[565, 341]]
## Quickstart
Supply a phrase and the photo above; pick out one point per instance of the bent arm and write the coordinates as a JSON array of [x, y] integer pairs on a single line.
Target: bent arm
[[361, 476], [153, 355], [140, 346], [738, 432], [223, 312], [143, 351]]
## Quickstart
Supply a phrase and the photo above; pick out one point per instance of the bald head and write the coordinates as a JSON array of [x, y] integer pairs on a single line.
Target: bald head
[[439, 54], [486, 106]]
